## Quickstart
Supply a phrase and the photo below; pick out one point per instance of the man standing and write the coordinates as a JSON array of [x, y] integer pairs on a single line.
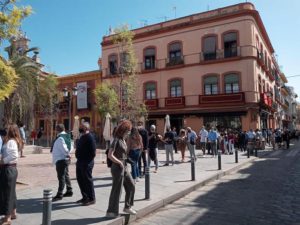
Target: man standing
[[169, 139], [175, 139], [191, 142], [144, 133], [61, 158], [212, 138], [203, 139], [85, 154]]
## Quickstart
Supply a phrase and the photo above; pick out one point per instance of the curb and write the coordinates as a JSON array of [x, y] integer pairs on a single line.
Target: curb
[[126, 219]]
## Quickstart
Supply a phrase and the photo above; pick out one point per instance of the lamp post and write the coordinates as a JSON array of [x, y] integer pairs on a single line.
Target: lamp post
[[68, 95]]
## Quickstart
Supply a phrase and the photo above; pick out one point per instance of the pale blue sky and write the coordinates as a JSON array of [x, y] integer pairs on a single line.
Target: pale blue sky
[[69, 32]]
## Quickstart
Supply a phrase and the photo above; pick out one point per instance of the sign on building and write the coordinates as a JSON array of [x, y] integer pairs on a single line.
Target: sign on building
[[82, 95]]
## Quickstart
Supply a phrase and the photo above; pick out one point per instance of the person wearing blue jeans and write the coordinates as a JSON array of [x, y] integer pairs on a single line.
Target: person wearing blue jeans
[[135, 145]]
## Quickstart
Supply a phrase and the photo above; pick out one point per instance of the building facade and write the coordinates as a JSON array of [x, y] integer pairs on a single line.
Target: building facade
[[215, 68]]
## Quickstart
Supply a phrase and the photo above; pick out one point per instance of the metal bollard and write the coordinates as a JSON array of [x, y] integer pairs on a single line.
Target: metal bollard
[[147, 182], [219, 160], [255, 152], [248, 153], [236, 156], [47, 207], [193, 169]]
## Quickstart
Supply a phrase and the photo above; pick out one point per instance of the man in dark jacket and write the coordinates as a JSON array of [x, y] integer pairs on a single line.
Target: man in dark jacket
[[85, 154], [144, 133]]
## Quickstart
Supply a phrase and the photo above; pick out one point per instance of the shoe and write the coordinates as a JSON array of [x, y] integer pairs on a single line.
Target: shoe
[[130, 211], [81, 200], [111, 215], [88, 202], [137, 180], [57, 198], [68, 194], [13, 217], [155, 171], [167, 164]]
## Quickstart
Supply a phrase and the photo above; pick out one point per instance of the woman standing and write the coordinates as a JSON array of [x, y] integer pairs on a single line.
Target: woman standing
[[181, 143], [154, 138], [8, 175], [120, 174], [135, 146]]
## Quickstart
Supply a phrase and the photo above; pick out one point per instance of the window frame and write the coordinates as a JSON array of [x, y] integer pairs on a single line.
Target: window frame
[[176, 91], [144, 58], [115, 63], [238, 74], [145, 89], [203, 46], [231, 53], [211, 88]]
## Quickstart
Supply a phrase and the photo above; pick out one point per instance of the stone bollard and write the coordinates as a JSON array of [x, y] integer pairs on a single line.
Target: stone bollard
[[219, 161], [147, 183], [47, 207], [236, 156], [193, 172]]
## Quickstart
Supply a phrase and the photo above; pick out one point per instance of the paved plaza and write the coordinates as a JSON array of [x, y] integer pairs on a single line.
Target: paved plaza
[[36, 173]]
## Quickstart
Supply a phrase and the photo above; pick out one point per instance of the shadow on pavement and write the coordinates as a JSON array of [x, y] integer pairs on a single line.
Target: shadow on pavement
[[84, 221]]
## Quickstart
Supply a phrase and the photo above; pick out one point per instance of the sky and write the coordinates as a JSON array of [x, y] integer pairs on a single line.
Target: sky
[[69, 32]]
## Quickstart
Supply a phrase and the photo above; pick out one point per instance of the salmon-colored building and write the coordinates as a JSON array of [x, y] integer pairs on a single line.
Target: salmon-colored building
[[215, 68]]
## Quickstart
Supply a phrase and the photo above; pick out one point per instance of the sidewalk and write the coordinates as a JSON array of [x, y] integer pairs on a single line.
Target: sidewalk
[[168, 185]]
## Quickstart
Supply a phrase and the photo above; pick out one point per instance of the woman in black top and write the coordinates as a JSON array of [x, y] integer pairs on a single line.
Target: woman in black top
[[154, 138], [121, 176]]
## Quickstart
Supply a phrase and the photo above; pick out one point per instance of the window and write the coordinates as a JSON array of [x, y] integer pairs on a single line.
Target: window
[[175, 88], [149, 58], [231, 83], [211, 85], [230, 44], [150, 90], [209, 48], [175, 53], [113, 64]]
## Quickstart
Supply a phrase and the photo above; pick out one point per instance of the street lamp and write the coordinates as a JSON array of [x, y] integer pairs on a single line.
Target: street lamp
[[68, 95]]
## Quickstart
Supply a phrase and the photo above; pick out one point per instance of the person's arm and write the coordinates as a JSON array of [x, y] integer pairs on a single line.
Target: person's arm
[[63, 146], [111, 155]]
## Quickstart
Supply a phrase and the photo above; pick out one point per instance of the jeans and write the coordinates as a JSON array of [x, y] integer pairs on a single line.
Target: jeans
[[142, 157], [134, 155], [85, 179], [192, 150], [169, 151], [62, 169], [213, 145], [120, 177]]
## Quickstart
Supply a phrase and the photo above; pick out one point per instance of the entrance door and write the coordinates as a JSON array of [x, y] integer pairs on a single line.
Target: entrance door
[[176, 122]]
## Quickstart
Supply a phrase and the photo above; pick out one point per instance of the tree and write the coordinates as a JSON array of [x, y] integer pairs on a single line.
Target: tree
[[11, 17], [130, 107], [48, 101], [106, 100], [8, 80]]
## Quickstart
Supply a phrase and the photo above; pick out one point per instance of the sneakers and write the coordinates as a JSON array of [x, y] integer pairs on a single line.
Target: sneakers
[[130, 211], [111, 215], [68, 194]]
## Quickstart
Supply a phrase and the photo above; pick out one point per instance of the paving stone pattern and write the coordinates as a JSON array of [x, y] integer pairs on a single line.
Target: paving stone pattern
[[265, 192]]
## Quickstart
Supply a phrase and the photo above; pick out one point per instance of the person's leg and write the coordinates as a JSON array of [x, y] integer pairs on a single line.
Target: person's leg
[[116, 190], [80, 169], [61, 172], [133, 170], [144, 161], [167, 154], [172, 154], [156, 159], [129, 189], [67, 178], [89, 183]]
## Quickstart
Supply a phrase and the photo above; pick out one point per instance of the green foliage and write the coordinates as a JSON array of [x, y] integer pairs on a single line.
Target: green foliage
[[106, 100], [11, 17], [8, 80]]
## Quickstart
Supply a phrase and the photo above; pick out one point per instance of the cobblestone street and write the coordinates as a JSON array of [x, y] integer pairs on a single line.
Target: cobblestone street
[[264, 192]]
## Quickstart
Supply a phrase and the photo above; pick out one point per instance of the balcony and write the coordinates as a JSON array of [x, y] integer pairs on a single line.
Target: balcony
[[175, 102], [148, 67], [266, 100], [223, 54], [261, 59], [175, 61], [222, 99], [151, 103]]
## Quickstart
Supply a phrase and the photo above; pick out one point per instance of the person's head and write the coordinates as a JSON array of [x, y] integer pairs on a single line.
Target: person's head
[[174, 128], [85, 127], [168, 129], [123, 129], [14, 133], [189, 129], [140, 123], [182, 132], [60, 127], [152, 128]]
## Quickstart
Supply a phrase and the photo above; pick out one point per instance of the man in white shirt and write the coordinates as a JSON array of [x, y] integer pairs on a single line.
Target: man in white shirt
[[203, 139], [61, 158]]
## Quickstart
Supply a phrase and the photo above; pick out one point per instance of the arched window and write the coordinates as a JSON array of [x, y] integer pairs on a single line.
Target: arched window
[[149, 58], [175, 88], [150, 90], [230, 44], [113, 64], [210, 47], [211, 85], [175, 54], [231, 83]]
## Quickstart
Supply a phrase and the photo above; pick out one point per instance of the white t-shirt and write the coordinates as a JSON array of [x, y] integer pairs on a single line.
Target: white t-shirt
[[203, 135], [10, 152]]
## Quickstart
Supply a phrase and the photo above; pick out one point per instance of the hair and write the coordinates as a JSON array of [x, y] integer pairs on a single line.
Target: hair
[[182, 131], [60, 127], [86, 125], [122, 128], [134, 134], [14, 133]]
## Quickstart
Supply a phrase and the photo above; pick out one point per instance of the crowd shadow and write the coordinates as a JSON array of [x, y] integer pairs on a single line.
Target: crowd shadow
[[83, 221]]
